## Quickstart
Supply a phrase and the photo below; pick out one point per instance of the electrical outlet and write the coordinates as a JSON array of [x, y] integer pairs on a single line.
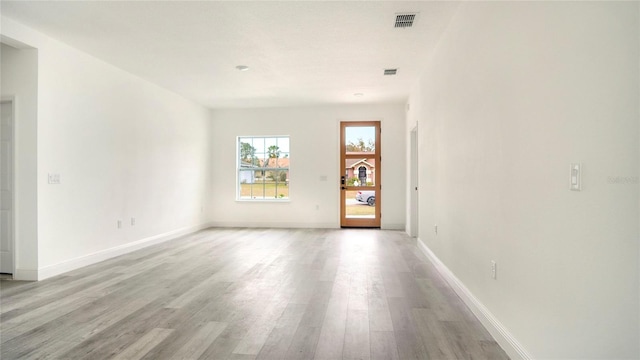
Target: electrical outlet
[[494, 270], [133, 221], [119, 224], [435, 229]]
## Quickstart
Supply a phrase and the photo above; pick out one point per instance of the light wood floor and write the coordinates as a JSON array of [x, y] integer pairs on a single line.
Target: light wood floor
[[248, 294]]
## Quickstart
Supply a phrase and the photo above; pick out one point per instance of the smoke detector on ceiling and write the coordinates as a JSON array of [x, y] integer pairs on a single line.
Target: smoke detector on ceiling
[[405, 20], [390, 71]]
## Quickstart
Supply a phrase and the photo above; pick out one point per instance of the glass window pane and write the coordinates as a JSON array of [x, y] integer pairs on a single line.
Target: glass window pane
[[360, 139], [258, 143], [283, 144], [270, 141], [246, 176], [259, 159], [246, 151], [282, 185], [360, 204], [360, 172], [257, 190], [273, 152], [245, 179]]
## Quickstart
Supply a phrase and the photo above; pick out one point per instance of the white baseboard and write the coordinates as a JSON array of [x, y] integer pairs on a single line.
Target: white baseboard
[[85, 260], [392, 226], [292, 225], [279, 225], [503, 337], [25, 275]]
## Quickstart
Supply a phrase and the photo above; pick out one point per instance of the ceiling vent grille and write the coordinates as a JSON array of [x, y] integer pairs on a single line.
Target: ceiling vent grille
[[390, 71], [405, 20]]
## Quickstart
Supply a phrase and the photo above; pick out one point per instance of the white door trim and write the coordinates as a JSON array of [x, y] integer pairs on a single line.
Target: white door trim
[[413, 183], [12, 242]]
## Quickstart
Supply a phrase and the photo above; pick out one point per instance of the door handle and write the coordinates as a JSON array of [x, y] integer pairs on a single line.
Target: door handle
[[343, 188]]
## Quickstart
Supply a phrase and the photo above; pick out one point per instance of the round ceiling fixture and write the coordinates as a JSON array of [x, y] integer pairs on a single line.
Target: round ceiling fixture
[[358, 94], [242, 67]]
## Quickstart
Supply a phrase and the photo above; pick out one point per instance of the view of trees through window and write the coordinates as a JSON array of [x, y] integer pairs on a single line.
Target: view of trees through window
[[263, 168], [359, 145]]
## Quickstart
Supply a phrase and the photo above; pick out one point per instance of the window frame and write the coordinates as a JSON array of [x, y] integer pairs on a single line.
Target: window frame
[[264, 168]]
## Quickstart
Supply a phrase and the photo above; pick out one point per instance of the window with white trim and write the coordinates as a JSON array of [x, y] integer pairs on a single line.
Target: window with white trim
[[263, 168]]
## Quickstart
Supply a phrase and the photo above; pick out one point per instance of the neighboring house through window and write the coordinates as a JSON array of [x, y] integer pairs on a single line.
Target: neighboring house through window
[[362, 170], [263, 168]]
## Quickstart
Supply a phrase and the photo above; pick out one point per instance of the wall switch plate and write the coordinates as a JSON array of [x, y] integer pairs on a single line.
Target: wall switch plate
[[133, 221], [575, 177], [494, 270], [119, 224], [53, 178], [435, 229]]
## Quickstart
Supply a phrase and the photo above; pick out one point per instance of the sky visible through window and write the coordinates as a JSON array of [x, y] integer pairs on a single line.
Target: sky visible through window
[[353, 133]]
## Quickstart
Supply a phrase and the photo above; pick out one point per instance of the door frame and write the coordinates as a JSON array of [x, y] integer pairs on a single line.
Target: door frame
[[11, 100], [414, 229], [358, 222]]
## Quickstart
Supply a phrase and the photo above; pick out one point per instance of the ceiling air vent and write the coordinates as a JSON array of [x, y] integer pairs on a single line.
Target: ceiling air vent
[[405, 20], [390, 71]]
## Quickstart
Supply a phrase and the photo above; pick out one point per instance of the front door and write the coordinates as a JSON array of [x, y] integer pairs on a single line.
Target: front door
[[360, 170]]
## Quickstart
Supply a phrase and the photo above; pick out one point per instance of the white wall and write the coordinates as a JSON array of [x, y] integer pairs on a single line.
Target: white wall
[[123, 148], [19, 80], [514, 93], [314, 140]]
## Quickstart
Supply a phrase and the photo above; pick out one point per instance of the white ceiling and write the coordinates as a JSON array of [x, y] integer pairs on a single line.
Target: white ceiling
[[299, 52]]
